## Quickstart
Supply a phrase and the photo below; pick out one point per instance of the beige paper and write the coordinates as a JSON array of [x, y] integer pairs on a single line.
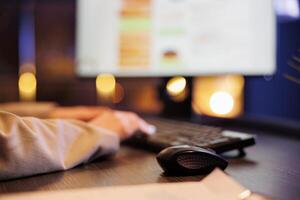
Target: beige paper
[[216, 186]]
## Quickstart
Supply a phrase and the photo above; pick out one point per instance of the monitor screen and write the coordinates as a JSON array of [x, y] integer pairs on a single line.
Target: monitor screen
[[175, 37]]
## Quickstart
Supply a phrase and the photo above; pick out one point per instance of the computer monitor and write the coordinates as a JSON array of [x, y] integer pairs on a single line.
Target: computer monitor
[[175, 37]]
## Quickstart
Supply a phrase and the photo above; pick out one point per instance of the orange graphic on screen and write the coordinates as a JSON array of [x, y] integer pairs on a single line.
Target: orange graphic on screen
[[135, 22]]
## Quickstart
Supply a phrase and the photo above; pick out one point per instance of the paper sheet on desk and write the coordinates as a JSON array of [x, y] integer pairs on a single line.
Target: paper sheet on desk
[[215, 186]]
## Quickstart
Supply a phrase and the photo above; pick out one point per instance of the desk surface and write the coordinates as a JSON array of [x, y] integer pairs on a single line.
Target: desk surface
[[271, 167]]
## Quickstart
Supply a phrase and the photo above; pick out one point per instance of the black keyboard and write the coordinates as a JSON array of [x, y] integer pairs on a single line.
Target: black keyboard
[[173, 132]]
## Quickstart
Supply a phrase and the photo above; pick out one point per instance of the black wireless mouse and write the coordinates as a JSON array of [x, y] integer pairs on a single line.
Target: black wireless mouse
[[189, 160]]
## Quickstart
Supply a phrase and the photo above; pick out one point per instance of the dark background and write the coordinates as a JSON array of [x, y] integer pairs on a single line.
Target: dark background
[[276, 96]]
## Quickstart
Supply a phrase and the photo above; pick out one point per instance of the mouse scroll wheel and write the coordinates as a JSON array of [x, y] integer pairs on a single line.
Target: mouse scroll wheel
[[191, 161]]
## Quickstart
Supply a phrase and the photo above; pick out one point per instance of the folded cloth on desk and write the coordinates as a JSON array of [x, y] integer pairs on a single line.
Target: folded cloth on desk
[[215, 186]]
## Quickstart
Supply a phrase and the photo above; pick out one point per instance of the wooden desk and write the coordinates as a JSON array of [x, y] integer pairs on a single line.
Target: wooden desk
[[272, 167]]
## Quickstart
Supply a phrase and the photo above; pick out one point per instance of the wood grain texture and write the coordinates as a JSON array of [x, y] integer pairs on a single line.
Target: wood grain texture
[[271, 167]]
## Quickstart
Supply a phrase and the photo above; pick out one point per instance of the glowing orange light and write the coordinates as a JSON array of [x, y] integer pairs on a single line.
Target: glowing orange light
[[176, 85], [221, 103], [218, 96], [27, 86], [106, 86], [176, 88]]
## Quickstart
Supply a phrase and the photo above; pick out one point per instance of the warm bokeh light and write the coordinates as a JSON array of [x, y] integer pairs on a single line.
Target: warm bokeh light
[[176, 88], [105, 85], [176, 85], [119, 93], [219, 96], [221, 103], [144, 98], [27, 86]]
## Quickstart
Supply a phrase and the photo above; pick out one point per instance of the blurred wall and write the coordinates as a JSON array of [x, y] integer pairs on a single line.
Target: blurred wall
[[55, 55], [279, 95], [9, 14]]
